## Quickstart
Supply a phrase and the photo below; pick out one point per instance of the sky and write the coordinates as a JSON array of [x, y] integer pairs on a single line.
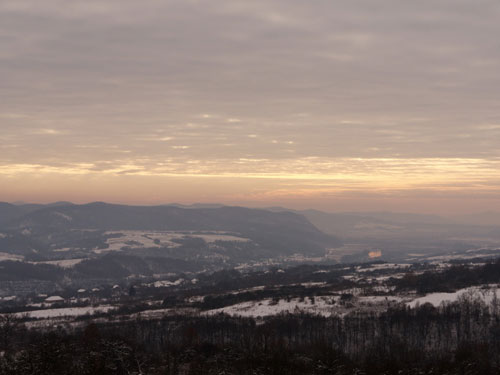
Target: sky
[[340, 105]]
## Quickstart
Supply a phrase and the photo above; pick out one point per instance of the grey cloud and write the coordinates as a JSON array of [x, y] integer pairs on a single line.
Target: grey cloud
[[112, 71]]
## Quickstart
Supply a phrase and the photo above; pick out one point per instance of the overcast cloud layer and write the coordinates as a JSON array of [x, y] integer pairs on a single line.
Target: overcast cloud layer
[[318, 98]]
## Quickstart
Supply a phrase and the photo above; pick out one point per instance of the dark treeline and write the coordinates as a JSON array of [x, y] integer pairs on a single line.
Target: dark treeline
[[459, 338], [449, 280]]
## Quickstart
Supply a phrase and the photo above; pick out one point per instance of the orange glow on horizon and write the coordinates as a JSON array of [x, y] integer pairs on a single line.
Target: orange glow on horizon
[[261, 182]]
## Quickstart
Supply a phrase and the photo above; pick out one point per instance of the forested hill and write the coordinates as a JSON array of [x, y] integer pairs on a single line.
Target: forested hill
[[270, 229]]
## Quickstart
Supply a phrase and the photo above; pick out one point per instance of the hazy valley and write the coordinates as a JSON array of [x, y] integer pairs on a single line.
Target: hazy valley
[[146, 285]]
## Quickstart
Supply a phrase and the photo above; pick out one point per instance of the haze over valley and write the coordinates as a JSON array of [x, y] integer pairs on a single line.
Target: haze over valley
[[67, 244]]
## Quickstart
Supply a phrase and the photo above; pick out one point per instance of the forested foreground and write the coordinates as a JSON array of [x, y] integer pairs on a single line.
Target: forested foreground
[[459, 338]]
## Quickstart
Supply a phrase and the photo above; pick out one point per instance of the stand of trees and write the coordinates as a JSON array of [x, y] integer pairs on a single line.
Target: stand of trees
[[458, 338], [451, 279]]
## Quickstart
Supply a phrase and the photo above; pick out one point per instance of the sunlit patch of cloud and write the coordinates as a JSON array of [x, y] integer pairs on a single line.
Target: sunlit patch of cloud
[[191, 125], [14, 116], [88, 146], [352, 122], [48, 132], [181, 147], [489, 127], [314, 174]]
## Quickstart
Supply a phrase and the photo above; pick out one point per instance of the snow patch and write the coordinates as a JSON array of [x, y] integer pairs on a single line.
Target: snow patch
[[267, 307], [486, 295], [68, 311], [63, 263], [62, 250], [166, 283], [136, 239], [7, 256], [64, 216], [53, 299]]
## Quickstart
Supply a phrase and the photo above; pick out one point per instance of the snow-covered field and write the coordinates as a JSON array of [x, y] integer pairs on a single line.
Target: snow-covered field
[[333, 305], [266, 307], [166, 283], [66, 311], [62, 250], [330, 306], [136, 239], [7, 256], [160, 313], [486, 295], [321, 305], [64, 263]]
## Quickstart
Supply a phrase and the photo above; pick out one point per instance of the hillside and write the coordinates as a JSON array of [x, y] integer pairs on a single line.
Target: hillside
[[100, 240]]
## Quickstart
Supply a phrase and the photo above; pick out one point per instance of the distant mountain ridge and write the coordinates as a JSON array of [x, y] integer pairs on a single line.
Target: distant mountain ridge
[[281, 230], [11, 211], [174, 237]]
